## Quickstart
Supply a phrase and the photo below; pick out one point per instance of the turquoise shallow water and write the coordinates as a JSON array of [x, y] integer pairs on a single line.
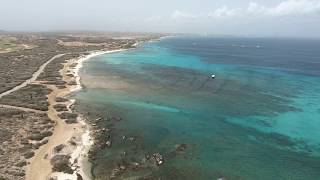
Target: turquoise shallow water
[[259, 119]]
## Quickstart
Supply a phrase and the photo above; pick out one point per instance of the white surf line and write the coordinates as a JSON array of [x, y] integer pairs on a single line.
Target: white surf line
[[22, 108], [33, 78]]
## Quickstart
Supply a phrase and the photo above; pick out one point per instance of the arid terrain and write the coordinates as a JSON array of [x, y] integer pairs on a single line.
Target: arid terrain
[[38, 129]]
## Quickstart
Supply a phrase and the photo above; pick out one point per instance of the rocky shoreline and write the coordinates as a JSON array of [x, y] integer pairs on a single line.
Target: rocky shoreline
[[129, 158]]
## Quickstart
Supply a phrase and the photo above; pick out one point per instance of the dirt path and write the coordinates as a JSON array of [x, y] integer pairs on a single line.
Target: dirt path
[[22, 108], [32, 79], [39, 167]]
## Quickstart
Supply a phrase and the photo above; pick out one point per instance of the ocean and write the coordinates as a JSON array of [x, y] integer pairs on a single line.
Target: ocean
[[259, 118]]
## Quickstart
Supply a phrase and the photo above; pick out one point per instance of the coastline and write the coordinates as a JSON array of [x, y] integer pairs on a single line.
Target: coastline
[[83, 164], [87, 140], [80, 155], [78, 133]]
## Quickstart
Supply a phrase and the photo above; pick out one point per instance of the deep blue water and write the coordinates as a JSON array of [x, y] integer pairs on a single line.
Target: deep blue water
[[259, 119]]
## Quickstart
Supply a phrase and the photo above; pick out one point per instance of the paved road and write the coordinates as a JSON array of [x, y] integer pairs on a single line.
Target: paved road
[[32, 79]]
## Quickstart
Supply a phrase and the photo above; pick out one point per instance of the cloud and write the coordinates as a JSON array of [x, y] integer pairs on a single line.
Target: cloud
[[183, 15], [287, 8], [154, 19], [224, 12]]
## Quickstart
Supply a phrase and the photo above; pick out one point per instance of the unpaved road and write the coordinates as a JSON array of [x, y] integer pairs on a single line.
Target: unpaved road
[[32, 79], [22, 108]]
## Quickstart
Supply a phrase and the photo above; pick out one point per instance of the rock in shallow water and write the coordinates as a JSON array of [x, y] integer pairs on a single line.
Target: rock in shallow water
[[157, 157]]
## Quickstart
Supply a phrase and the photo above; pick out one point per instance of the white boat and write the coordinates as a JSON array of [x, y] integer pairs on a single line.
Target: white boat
[[213, 76]]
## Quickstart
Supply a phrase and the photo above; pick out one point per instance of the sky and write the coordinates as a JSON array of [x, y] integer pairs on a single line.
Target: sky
[[276, 18]]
